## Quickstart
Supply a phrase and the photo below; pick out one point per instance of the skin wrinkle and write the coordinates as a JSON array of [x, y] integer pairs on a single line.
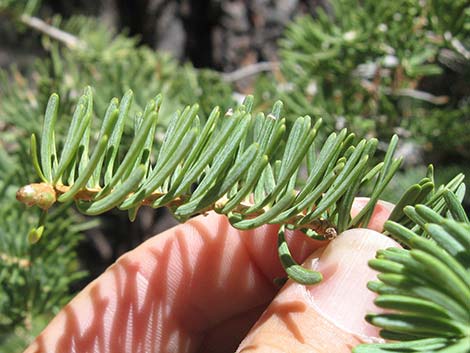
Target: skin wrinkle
[[291, 311], [130, 327], [159, 289], [142, 288], [255, 263], [248, 314], [156, 310], [284, 311], [186, 323], [122, 306], [338, 266], [260, 275], [227, 333], [131, 302], [123, 278], [83, 342], [125, 270], [252, 243], [107, 325], [240, 260]]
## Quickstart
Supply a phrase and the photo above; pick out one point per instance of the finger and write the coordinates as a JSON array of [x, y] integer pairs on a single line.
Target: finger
[[173, 290], [262, 242], [380, 214], [328, 317], [178, 284]]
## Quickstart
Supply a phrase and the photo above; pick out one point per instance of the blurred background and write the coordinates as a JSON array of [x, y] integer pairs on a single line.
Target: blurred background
[[222, 35], [376, 67]]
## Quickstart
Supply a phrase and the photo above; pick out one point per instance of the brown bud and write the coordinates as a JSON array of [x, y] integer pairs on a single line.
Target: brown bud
[[43, 195]]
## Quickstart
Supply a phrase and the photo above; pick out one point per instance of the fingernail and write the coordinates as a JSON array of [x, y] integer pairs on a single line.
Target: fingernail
[[342, 297]]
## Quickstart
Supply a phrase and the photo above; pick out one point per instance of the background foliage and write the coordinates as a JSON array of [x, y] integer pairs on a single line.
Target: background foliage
[[385, 67]]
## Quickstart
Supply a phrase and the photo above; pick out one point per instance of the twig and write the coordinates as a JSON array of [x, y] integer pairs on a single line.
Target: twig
[[68, 39], [45, 195], [250, 70], [421, 95], [406, 92], [457, 45]]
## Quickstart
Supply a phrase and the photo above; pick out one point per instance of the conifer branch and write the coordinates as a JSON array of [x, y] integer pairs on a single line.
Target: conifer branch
[[244, 165], [425, 288]]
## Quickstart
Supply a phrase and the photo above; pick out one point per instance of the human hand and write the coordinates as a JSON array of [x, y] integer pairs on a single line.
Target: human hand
[[201, 286]]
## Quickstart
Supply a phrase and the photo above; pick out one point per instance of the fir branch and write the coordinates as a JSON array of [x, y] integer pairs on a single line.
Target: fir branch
[[425, 288], [245, 166]]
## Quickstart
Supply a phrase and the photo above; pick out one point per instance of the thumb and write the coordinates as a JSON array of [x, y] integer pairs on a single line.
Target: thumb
[[328, 317]]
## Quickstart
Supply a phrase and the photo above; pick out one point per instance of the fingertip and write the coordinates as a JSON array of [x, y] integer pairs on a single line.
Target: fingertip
[[380, 215], [343, 296], [328, 317]]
